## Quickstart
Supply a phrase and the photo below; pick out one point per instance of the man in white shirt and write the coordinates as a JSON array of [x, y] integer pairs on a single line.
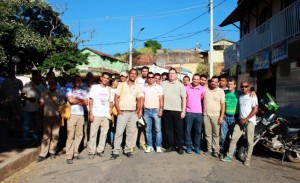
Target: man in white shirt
[[248, 109], [100, 105], [77, 98]]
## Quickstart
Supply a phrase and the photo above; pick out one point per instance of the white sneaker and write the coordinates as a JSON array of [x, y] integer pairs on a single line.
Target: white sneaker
[[149, 149], [158, 149]]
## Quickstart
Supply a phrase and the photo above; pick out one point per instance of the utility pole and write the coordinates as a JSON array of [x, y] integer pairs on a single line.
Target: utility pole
[[130, 43], [211, 64]]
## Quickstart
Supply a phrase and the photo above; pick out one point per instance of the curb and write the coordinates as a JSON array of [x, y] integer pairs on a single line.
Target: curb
[[18, 162]]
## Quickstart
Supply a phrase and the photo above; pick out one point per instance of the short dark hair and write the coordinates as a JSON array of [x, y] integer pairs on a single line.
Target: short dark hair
[[133, 69], [203, 76], [105, 73], [197, 75], [157, 74], [215, 77], [186, 77], [145, 67], [150, 73], [231, 80], [223, 77], [173, 69]]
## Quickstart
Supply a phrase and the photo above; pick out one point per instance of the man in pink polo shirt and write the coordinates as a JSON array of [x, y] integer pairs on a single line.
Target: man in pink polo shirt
[[195, 94], [153, 108]]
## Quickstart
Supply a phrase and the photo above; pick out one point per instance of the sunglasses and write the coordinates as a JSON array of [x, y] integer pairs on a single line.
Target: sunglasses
[[150, 77], [244, 86]]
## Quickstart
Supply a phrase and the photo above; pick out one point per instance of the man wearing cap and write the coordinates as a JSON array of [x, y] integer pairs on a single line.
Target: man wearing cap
[[128, 104], [123, 76]]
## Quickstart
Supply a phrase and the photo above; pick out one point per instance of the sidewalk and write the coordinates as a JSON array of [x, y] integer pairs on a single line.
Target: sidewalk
[[13, 159]]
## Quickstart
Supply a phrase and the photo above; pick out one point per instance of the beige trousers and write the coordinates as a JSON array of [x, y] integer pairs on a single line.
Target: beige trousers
[[51, 125], [74, 135], [125, 121], [103, 124], [212, 133], [237, 133]]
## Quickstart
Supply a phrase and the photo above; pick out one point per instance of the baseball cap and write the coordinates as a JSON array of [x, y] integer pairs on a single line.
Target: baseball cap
[[124, 74]]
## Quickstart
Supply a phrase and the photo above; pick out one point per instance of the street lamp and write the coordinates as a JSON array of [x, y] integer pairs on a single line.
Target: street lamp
[[15, 59], [131, 41]]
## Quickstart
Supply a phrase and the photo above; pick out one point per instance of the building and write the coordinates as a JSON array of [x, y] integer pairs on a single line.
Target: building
[[100, 62], [267, 53]]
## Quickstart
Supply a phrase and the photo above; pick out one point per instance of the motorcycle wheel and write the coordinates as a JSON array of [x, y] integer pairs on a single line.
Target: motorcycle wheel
[[294, 156]]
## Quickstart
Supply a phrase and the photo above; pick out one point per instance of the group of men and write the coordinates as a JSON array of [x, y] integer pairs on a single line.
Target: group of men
[[177, 110]]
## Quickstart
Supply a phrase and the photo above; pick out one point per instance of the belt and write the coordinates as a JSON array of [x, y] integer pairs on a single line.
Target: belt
[[127, 110]]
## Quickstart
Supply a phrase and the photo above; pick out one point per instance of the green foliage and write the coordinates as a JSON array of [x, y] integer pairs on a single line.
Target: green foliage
[[146, 51], [203, 69], [34, 31], [154, 45]]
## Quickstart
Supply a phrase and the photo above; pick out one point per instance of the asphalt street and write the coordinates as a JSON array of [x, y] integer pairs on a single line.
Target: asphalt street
[[153, 167]]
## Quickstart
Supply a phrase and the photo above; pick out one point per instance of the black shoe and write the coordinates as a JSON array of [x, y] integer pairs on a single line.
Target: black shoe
[[78, 157], [52, 156], [69, 161], [100, 154], [40, 159], [114, 156], [215, 154], [170, 149], [129, 155], [180, 151]]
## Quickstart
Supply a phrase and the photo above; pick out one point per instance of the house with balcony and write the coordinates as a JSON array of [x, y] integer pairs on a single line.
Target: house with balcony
[[268, 52], [99, 62]]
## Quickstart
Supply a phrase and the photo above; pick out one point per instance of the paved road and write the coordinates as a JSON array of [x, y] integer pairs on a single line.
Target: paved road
[[164, 167]]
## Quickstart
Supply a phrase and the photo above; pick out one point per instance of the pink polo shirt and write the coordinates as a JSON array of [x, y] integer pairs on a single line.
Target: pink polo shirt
[[194, 97], [151, 94]]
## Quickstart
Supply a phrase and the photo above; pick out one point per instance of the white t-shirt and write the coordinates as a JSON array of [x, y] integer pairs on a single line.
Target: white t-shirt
[[77, 94], [100, 96], [140, 81], [246, 104]]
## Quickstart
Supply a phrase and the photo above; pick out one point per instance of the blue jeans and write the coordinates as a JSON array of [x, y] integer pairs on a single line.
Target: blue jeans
[[31, 121], [195, 119], [226, 131], [151, 116]]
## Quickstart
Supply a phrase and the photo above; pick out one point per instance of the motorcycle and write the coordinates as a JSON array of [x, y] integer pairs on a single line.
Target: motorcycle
[[274, 133]]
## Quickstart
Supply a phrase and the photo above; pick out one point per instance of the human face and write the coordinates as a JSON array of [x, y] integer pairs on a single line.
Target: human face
[[214, 83], [203, 81], [164, 77], [52, 84], [195, 80], [245, 87], [222, 82], [144, 73], [123, 78], [186, 81], [172, 75], [231, 86], [115, 84], [151, 79], [77, 82], [157, 79], [104, 79], [133, 75]]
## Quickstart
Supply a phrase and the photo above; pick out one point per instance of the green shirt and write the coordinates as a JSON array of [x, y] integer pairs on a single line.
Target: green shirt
[[232, 101]]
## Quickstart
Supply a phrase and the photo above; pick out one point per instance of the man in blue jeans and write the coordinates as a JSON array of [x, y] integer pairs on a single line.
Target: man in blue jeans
[[152, 103], [231, 112], [195, 94]]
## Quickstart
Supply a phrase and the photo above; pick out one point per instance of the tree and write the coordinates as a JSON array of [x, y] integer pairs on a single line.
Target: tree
[[35, 32], [203, 69], [154, 45]]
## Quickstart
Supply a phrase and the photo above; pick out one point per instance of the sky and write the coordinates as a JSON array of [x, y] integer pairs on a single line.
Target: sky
[[104, 25]]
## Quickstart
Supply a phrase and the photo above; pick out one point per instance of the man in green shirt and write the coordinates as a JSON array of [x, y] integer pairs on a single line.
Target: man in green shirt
[[231, 112]]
